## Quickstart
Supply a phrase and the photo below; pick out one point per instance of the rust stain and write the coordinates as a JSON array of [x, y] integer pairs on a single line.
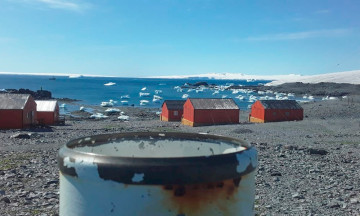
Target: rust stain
[[198, 199]]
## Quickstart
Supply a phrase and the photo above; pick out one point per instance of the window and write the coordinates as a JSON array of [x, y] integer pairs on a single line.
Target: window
[[176, 113], [274, 113], [287, 113]]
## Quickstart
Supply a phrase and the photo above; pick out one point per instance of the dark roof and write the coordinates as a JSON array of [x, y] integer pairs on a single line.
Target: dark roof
[[280, 104], [213, 103], [13, 101], [174, 104]]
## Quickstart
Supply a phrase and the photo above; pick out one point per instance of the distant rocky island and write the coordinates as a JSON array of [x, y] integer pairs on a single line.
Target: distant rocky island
[[37, 95]]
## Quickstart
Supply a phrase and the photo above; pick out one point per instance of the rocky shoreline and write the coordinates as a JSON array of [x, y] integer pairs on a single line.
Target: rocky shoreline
[[308, 167]]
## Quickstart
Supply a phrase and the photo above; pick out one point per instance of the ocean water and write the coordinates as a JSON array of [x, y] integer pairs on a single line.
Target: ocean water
[[92, 91]]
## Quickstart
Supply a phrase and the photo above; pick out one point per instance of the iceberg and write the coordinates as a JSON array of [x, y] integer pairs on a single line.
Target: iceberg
[[62, 105], [144, 102], [124, 118], [98, 116], [158, 113], [106, 104], [185, 96], [124, 102], [144, 94], [143, 89], [112, 110], [82, 108], [110, 84], [76, 76], [125, 96], [158, 91]]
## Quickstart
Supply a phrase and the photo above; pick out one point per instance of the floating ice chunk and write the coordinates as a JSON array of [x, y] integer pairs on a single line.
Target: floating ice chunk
[[110, 84], [124, 102], [144, 94], [158, 91], [143, 89], [124, 118], [144, 102], [155, 100], [62, 105], [112, 110], [82, 108], [185, 96], [125, 96], [106, 104], [158, 113], [99, 116]]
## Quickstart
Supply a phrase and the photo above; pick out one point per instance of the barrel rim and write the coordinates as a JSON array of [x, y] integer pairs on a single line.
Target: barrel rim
[[176, 170]]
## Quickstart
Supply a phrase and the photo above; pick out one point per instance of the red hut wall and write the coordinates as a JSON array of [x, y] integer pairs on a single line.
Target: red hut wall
[[272, 115], [220, 116], [29, 113], [48, 117], [11, 119], [188, 111], [169, 115], [257, 111]]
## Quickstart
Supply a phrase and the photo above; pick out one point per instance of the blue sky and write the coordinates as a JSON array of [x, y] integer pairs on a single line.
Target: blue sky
[[139, 38]]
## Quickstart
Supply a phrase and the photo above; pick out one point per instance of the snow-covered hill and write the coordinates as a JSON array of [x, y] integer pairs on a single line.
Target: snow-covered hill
[[352, 77]]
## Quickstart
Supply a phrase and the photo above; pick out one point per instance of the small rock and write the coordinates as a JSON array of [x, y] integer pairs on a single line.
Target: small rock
[[2, 192], [298, 196], [354, 201], [5, 199], [20, 136], [290, 147], [52, 182], [275, 174], [317, 151], [333, 205]]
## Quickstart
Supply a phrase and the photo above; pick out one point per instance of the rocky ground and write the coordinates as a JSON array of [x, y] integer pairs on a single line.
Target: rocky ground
[[308, 167]]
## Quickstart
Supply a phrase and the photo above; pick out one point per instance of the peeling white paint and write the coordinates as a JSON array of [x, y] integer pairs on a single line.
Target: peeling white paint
[[138, 177], [85, 169], [245, 158]]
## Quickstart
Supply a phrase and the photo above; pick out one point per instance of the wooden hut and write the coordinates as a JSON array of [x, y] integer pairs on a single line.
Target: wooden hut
[[172, 110], [17, 111], [276, 110], [47, 112], [210, 111]]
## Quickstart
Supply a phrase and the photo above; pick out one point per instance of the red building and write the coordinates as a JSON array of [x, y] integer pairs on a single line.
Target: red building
[[172, 110], [210, 111], [17, 111], [47, 112], [276, 110]]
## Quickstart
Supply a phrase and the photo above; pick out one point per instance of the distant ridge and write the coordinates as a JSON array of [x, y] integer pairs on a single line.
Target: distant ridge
[[351, 77]]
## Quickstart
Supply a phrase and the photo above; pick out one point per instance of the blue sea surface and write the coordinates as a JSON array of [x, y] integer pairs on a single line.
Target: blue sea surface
[[92, 91]]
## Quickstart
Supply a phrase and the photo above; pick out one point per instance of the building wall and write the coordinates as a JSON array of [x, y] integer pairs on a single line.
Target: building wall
[[257, 111], [281, 115], [56, 113], [165, 111], [188, 112], [217, 116], [11, 119], [49, 117], [29, 113]]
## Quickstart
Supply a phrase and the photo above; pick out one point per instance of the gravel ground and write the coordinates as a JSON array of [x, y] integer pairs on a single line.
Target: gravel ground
[[308, 167]]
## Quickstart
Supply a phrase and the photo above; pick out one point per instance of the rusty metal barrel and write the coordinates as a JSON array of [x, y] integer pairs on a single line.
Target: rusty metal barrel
[[160, 174]]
